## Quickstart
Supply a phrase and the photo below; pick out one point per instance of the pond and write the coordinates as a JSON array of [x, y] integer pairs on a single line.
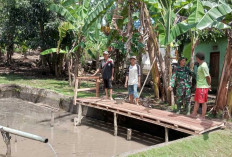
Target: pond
[[92, 139]]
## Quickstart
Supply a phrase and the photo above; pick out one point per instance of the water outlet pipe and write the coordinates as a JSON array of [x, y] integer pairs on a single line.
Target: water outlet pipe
[[23, 134]]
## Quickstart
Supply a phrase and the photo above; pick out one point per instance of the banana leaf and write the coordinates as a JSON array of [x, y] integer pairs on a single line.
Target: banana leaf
[[213, 15], [52, 50]]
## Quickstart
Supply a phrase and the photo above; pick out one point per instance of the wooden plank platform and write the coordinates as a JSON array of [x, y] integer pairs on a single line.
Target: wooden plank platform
[[166, 119]]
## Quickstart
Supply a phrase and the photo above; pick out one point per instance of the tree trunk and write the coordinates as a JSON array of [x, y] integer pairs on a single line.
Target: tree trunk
[[60, 63], [155, 71], [119, 62], [139, 61], [43, 59], [168, 71], [10, 48], [70, 70], [154, 38], [0, 53], [77, 58], [194, 42], [97, 59], [221, 99], [229, 97]]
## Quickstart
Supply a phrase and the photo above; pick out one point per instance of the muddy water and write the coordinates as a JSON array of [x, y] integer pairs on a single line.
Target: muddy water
[[91, 139]]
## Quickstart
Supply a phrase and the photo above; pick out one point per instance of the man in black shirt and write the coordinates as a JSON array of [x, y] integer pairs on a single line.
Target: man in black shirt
[[107, 69]]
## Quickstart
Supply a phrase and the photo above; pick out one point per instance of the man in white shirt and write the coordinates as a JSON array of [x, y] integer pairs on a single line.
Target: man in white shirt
[[133, 80]]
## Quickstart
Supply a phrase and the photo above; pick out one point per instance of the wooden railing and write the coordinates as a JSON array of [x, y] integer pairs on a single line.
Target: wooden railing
[[86, 89]]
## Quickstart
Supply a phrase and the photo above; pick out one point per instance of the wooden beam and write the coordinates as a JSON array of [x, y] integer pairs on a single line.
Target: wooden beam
[[166, 135], [97, 87], [85, 89], [75, 92], [115, 125], [88, 77]]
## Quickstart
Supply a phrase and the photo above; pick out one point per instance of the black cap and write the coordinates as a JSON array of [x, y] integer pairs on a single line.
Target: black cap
[[200, 55]]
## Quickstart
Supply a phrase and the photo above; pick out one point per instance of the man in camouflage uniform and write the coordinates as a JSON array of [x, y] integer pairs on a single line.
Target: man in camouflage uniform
[[181, 79]]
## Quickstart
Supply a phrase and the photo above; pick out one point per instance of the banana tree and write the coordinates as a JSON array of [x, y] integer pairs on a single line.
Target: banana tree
[[96, 40], [166, 21], [221, 15], [170, 25], [78, 17]]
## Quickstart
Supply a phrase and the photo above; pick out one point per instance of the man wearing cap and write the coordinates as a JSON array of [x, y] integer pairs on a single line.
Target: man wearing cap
[[107, 69], [133, 80], [181, 79], [203, 85]]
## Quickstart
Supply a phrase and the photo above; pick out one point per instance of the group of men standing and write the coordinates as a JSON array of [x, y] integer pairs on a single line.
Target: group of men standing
[[132, 77], [181, 79]]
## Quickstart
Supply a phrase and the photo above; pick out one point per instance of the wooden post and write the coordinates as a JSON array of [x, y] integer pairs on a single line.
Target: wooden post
[[52, 119], [6, 137], [129, 133], [222, 93], [97, 87], [79, 117], [166, 135], [115, 125], [75, 92]]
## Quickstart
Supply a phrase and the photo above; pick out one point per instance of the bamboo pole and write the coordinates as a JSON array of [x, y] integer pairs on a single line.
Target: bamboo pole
[[147, 77]]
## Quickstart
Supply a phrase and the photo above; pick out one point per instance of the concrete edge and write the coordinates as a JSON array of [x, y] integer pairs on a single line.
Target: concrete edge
[[37, 95]]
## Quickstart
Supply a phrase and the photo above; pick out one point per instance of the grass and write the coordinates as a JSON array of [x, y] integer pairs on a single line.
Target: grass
[[59, 86], [214, 144]]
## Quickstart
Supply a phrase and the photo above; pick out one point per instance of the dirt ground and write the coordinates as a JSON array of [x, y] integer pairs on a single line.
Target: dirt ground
[[28, 65]]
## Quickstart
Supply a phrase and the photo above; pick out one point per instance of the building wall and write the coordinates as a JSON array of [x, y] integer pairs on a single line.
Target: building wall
[[207, 48]]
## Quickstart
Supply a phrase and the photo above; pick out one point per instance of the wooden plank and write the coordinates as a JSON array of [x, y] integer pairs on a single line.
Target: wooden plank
[[85, 89], [195, 121], [152, 117], [181, 118], [188, 131], [88, 77], [158, 117], [138, 117]]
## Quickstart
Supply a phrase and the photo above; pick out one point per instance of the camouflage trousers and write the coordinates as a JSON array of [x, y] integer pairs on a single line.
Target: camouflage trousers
[[183, 94]]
